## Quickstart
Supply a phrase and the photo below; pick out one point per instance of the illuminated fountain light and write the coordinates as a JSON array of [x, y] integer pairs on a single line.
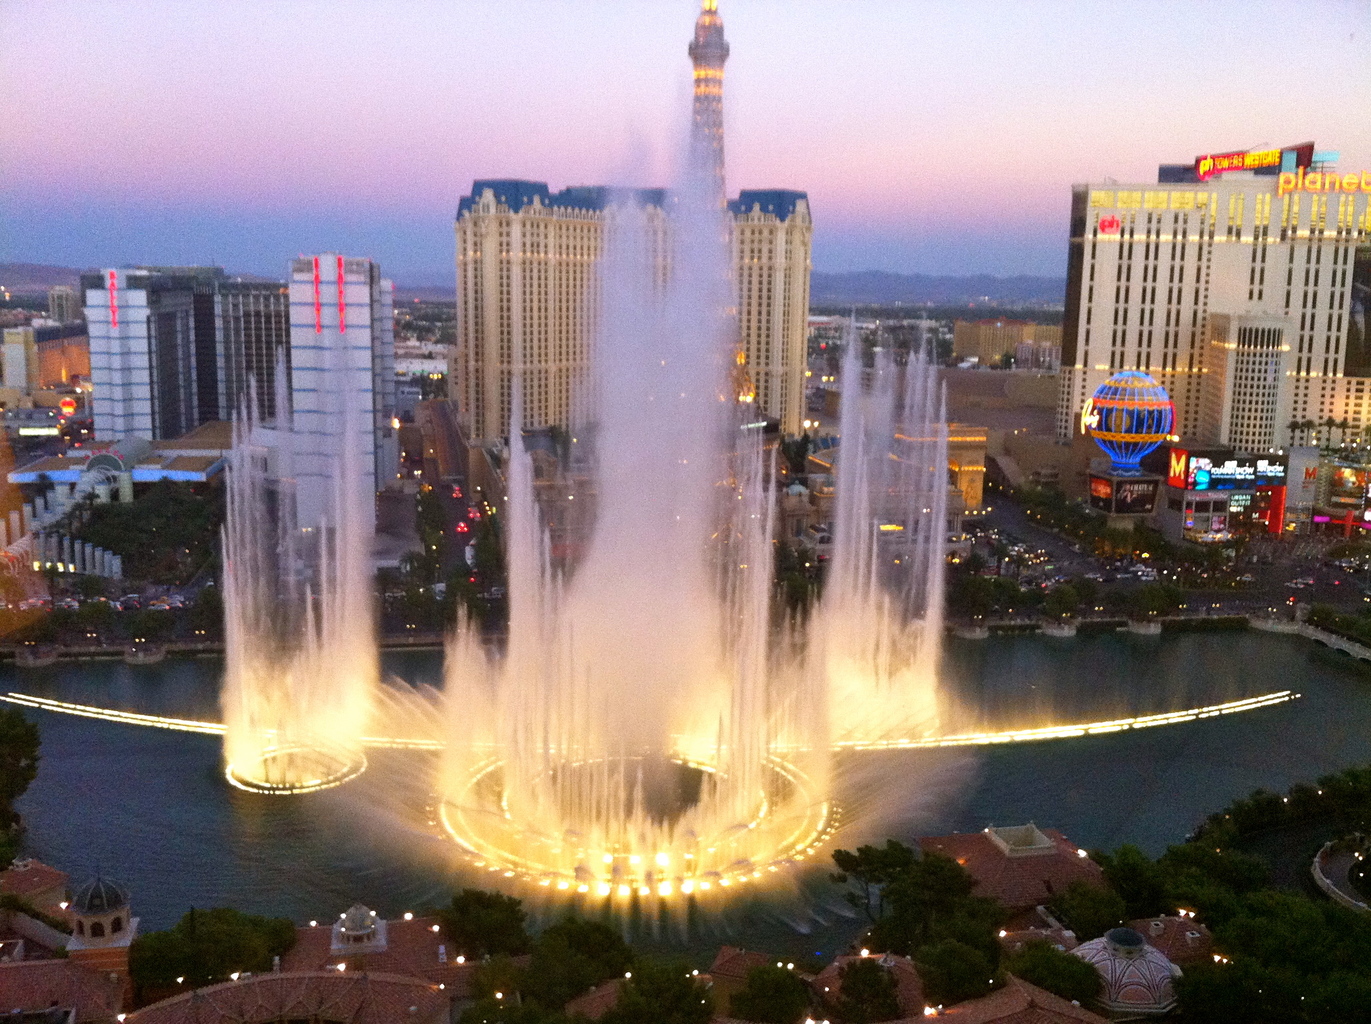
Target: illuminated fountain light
[[301, 660], [877, 633], [980, 739]]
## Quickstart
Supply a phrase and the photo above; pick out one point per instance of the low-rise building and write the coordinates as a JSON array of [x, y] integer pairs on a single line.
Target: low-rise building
[[1018, 1002], [1020, 866]]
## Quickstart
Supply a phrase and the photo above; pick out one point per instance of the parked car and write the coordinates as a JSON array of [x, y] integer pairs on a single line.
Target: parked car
[[130, 603], [69, 603]]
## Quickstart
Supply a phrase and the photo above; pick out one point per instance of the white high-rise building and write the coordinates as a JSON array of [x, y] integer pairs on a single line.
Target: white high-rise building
[[1244, 294], [174, 347], [342, 374]]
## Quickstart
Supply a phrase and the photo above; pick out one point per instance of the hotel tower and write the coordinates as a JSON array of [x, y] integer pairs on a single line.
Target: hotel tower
[[1240, 283], [528, 278]]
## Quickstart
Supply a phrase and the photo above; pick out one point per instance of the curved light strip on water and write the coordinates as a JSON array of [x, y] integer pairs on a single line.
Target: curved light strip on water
[[978, 739]]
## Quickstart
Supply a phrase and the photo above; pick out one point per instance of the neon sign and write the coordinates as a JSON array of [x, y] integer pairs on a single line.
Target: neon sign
[[1322, 181], [1110, 225], [114, 298], [1220, 163], [342, 300], [318, 305]]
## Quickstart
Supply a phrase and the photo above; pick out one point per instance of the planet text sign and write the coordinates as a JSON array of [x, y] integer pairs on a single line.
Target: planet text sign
[[1322, 181]]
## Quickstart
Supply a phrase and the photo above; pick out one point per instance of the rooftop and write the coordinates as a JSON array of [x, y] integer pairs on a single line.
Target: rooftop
[[1019, 1003], [316, 995], [40, 984], [1015, 866]]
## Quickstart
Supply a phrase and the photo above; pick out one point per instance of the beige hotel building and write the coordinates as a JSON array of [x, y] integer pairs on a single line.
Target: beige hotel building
[[1243, 291], [528, 282]]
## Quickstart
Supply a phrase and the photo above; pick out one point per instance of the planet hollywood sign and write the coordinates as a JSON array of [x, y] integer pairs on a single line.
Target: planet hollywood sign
[[1322, 181]]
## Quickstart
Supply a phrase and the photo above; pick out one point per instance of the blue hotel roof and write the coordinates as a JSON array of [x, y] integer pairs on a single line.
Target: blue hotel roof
[[517, 194]]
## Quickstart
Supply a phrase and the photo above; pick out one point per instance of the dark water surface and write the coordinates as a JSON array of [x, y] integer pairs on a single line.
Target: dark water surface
[[151, 809]]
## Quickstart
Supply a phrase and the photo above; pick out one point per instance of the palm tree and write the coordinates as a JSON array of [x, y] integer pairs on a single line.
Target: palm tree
[[1330, 423], [1293, 426], [1307, 426], [1344, 425]]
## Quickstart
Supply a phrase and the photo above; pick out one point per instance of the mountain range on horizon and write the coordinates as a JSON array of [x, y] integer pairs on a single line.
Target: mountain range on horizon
[[862, 288]]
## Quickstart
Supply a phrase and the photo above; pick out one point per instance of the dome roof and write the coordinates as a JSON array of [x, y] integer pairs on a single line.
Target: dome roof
[[1137, 977], [99, 896]]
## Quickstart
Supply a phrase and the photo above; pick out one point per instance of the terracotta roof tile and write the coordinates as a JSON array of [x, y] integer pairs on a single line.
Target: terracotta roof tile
[[597, 1002], [1017, 881], [29, 878], [733, 962], [326, 995], [1182, 939], [411, 950], [39, 984], [1018, 1003], [909, 989]]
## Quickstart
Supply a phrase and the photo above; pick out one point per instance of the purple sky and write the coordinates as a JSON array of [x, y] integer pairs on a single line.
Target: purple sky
[[931, 137]]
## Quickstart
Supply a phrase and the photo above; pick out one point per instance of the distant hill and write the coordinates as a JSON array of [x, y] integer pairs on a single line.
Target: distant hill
[[25, 278], [863, 288], [880, 288]]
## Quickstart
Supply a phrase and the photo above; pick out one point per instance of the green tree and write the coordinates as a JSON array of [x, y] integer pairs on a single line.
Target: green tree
[[207, 613], [490, 1010], [866, 992], [1088, 910], [1053, 969], [661, 993], [772, 995], [19, 741], [1062, 600], [869, 871], [953, 972], [1140, 883], [929, 894], [480, 923], [206, 946], [571, 956]]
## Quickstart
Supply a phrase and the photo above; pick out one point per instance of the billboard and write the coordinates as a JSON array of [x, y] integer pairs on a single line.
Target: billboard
[[1123, 495], [1221, 470], [1346, 486]]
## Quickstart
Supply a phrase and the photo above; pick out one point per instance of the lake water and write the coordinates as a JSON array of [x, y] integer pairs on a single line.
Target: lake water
[[151, 808]]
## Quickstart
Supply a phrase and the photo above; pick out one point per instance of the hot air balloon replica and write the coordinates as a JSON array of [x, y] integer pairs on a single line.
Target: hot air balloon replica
[[1129, 415]]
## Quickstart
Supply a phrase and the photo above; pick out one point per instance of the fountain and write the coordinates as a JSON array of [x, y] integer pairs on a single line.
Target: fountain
[[880, 621], [301, 660]]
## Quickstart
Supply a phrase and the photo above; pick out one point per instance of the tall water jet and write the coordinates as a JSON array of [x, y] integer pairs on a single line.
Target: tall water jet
[[880, 624], [301, 660], [633, 740]]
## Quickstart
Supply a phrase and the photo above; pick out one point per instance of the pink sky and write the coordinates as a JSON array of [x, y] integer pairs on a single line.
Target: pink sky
[[931, 137]]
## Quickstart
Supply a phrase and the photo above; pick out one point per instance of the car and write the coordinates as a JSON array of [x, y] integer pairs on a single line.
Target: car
[[130, 602], [456, 491], [69, 604], [176, 601]]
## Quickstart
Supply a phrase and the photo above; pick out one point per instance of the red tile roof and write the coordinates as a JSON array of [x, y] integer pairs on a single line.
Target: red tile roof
[[326, 995], [1182, 939], [39, 984], [732, 962], [1018, 1003], [32, 880], [411, 950], [909, 989], [597, 1002], [1020, 879]]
